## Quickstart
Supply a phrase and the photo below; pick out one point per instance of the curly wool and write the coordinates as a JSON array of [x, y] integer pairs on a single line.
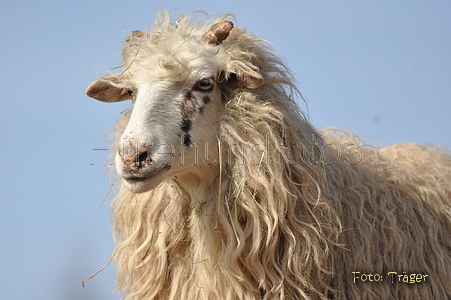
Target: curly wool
[[292, 218]]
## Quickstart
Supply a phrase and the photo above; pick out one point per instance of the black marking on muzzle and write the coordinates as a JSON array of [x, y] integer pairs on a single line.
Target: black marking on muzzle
[[188, 109], [186, 125], [186, 139]]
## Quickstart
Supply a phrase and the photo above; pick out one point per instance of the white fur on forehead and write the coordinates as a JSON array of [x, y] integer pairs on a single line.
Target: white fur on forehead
[[170, 48]]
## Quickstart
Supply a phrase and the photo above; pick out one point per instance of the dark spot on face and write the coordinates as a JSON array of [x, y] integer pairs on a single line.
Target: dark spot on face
[[206, 99], [186, 139], [186, 125], [189, 104]]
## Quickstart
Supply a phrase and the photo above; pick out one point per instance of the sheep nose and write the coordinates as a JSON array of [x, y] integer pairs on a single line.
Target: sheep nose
[[134, 158]]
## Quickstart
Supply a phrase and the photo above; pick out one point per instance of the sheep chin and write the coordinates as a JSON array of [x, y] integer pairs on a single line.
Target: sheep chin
[[140, 185]]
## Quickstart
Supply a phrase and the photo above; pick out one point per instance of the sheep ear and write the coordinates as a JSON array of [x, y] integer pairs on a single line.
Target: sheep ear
[[109, 89], [247, 75]]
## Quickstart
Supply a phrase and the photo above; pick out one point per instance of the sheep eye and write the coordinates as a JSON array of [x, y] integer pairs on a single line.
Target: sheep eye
[[205, 85], [130, 92]]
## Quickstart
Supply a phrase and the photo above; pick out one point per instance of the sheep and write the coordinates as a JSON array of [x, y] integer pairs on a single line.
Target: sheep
[[228, 192]]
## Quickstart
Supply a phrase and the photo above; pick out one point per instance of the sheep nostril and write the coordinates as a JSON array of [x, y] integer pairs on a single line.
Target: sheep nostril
[[135, 159], [143, 156]]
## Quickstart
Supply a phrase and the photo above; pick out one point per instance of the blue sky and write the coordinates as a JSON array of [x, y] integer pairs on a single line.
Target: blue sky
[[381, 69]]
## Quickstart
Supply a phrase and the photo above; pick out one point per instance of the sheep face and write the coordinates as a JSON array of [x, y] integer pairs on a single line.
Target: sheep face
[[172, 127], [167, 122]]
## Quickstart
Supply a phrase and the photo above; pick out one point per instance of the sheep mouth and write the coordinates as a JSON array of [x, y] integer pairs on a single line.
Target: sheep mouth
[[135, 179], [138, 182]]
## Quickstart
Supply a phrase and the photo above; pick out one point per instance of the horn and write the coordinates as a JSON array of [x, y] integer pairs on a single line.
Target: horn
[[217, 32], [134, 35]]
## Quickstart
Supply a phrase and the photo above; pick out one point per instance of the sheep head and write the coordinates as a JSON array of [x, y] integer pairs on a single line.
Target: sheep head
[[174, 113]]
